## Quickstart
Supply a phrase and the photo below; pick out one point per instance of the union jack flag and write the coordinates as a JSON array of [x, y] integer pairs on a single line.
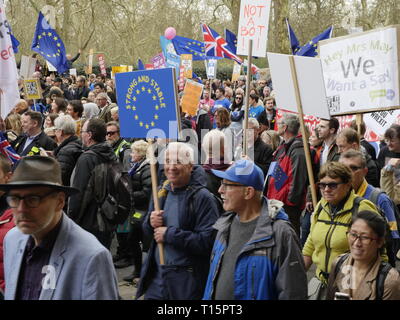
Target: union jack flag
[[216, 46], [7, 150]]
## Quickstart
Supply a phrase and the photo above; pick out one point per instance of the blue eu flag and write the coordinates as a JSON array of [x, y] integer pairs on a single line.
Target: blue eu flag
[[141, 65], [276, 172], [147, 104], [189, 46], [47, 42], [294, 42], [231, 40], [15, 43], [310, 49]]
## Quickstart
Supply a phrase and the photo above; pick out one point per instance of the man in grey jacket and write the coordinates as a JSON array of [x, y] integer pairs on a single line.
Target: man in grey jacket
[[256, 254], [47, 256]]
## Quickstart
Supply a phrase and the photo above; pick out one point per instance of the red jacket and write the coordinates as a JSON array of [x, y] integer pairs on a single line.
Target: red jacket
[[292, 160], [6, 224]]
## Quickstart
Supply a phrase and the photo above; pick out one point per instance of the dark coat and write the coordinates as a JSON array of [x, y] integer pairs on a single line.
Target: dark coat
[[85, 214], [67, 154], [141, 186], [263, 155], [194, 237], [41, 141]]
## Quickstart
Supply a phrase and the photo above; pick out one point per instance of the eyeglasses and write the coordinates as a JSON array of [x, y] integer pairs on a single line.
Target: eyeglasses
[[111, 133], [331, 186], [224, 185], [30, 201], [355, 168], [364, 239], [238, 98]]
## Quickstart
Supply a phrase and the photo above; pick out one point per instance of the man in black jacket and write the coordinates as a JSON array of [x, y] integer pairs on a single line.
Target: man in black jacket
[[33, 138], [83, 207], [258, 151], [70, 148]]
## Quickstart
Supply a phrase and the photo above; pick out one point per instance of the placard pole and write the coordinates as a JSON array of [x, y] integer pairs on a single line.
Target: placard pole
[[247, 102], [303, 129]]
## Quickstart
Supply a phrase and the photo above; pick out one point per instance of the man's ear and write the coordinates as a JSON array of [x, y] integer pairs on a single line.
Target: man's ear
[[7, 177]]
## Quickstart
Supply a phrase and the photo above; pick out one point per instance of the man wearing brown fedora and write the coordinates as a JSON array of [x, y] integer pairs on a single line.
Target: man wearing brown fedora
[[48, 256]]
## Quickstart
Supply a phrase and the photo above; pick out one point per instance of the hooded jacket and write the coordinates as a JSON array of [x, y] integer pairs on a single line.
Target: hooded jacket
[[194, 236], [67, 154], [270, 266], [292, 160], [84, 213]]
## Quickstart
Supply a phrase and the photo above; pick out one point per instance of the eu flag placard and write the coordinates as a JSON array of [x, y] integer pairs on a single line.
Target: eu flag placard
[[147, 104]]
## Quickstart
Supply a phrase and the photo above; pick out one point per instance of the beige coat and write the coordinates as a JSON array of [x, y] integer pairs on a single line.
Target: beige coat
[[367, 287], [388, 185]]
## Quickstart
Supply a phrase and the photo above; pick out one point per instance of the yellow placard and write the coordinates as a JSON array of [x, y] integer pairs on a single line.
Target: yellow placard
[[187, 63], [32, 89], [191, 97], [120, 69], [237, 68]]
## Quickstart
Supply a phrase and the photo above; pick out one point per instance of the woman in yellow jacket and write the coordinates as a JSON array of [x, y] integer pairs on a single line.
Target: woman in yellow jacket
[[331, 219]]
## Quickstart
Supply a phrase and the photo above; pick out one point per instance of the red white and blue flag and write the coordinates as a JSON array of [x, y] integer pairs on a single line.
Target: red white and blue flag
[[7, 150], [216, 46]]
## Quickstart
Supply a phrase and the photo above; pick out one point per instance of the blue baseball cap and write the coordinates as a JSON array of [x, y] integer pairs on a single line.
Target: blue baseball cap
[[244, 172]]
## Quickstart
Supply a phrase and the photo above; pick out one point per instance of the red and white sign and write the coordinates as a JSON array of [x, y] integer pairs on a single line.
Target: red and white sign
[[253, 25], [102, 64]]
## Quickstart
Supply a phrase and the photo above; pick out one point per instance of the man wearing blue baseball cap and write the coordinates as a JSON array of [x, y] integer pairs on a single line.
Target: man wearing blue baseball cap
[[256, 254]]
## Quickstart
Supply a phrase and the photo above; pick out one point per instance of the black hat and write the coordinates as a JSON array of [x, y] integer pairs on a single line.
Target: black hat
[[37, 171]]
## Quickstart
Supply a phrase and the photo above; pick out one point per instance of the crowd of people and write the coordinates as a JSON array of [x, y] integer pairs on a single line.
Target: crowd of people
[[231, 223]]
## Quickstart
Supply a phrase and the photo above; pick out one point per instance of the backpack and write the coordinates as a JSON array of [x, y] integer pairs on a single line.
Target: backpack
[[383, 271], [112, 193], [374, 198]]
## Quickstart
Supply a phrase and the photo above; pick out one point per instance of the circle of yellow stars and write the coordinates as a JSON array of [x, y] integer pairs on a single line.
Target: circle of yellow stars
[[53, 37], [132, 107]]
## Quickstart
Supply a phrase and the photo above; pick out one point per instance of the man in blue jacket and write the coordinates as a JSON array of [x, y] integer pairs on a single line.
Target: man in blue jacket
[[256, 254], [184, 227]]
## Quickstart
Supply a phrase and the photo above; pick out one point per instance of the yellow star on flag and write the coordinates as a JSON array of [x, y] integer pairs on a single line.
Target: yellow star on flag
[[55, 38], [134, 99], [128, 107], [143, 89], [154, 98], [149, 91], [141, 124], [39, 37], [147, 126], [157, 107], [153, 124], [134, 108], [136, 117], [156, 117], [138, 91], [49, 34]]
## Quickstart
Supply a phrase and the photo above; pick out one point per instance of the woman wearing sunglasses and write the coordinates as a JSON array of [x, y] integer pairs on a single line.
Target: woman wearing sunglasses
[[330, 222], [361, 274]]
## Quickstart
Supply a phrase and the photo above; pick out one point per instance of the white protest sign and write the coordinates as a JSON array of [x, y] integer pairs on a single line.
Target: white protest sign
[[73, 72], [211, 67], [253, 24], [380, 121], [361, 71], [311, 84], [28, 66]]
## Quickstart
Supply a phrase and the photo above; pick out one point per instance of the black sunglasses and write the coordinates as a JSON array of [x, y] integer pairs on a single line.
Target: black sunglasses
[[331, 186], [111, 133]]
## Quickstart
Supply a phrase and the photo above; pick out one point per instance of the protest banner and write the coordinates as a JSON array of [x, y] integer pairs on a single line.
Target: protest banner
[[9, 92], [361, 71], [172, 59], [380, 121], [89, 69], [311, 84], [32, 89], [102, 64], [211, 68], [299, 86], [28, 67], [73, 72], [253, 25], [187, 63], [159, 61], [191, 97], [181, 78], [149, 66], [237, 69], [148, 109]]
